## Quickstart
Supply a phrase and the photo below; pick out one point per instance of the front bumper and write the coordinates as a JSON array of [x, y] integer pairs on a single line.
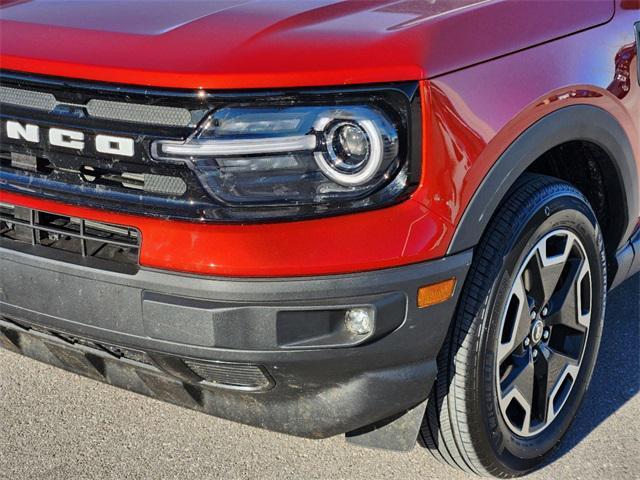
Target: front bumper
[[268, 353]]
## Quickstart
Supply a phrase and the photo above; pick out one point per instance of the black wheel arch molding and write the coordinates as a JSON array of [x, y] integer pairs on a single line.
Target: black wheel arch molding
[[568, 124]]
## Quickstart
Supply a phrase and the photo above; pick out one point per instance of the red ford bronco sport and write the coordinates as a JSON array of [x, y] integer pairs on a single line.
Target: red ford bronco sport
[[390, 219]]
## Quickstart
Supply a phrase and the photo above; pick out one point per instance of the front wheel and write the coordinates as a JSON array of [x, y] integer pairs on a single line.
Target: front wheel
[[521, 349]]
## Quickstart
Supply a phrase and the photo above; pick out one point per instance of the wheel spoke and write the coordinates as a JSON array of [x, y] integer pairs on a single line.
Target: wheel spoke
[[520, 377], [518, 322], [551, 369], [563, 305], [518, 386], [542, 280]]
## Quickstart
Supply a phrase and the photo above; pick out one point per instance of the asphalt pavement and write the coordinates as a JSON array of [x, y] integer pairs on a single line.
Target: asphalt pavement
[[56, 425]]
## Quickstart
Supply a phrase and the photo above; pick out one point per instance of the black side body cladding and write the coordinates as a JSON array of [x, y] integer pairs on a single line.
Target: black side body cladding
[[629, 259]]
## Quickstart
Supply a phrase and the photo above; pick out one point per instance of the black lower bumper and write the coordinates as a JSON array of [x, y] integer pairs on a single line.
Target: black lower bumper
[[273, 353]]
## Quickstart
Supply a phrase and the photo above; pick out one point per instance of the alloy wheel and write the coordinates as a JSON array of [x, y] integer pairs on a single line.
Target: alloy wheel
[[543, 333]]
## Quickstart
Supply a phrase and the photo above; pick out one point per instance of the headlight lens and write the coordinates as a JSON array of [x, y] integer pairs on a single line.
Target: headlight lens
[[355, 148], [349, 147], [296, 155]]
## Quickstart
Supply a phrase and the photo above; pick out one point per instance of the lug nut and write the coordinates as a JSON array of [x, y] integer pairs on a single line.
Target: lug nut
[[545, 312], [545, 334], [533, 314], [527, 342], [535, 353]]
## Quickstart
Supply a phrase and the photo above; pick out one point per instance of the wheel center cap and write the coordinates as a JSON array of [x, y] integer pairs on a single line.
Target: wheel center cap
[[537, 330]]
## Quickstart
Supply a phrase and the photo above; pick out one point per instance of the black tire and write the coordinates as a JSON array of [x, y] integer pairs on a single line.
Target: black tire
[[464, 426]]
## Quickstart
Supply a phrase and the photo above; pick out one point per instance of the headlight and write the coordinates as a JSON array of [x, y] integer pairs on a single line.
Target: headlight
[[284, 160], [359, 144]]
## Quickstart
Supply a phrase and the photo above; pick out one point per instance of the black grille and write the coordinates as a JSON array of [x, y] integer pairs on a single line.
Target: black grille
[[103, 109], [93, 175], [71, 239], [87, 177], [236, 375]]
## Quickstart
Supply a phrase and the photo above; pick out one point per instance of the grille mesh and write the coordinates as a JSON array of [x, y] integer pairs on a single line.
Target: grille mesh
[[164, 184], [27, 98], [131, 112], [103, 109], [238, 375]]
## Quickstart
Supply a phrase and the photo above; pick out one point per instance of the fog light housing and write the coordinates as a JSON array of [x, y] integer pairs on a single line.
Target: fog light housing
[[359, 321]]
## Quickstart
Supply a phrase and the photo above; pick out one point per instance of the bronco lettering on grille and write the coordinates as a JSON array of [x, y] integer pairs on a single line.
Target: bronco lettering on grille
[[72, 139]]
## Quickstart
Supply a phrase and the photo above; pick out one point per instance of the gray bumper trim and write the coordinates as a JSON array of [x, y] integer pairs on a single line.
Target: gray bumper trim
[[317, 392]]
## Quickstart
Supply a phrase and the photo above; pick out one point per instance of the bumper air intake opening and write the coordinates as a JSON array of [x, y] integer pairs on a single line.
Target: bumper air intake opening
[[232, 375], [70, 239]]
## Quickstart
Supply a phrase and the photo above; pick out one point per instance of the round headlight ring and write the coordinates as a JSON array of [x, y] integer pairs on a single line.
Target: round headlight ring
[[348, 147], [342, 170]]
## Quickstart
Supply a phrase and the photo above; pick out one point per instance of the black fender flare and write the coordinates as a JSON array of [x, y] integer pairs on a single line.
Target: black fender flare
[[572, 123]]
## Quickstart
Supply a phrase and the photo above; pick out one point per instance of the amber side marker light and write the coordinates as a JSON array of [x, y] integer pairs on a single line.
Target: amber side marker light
[[436, 293]]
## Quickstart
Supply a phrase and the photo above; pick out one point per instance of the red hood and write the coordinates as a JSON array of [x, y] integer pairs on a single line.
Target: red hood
[[275, 43]]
